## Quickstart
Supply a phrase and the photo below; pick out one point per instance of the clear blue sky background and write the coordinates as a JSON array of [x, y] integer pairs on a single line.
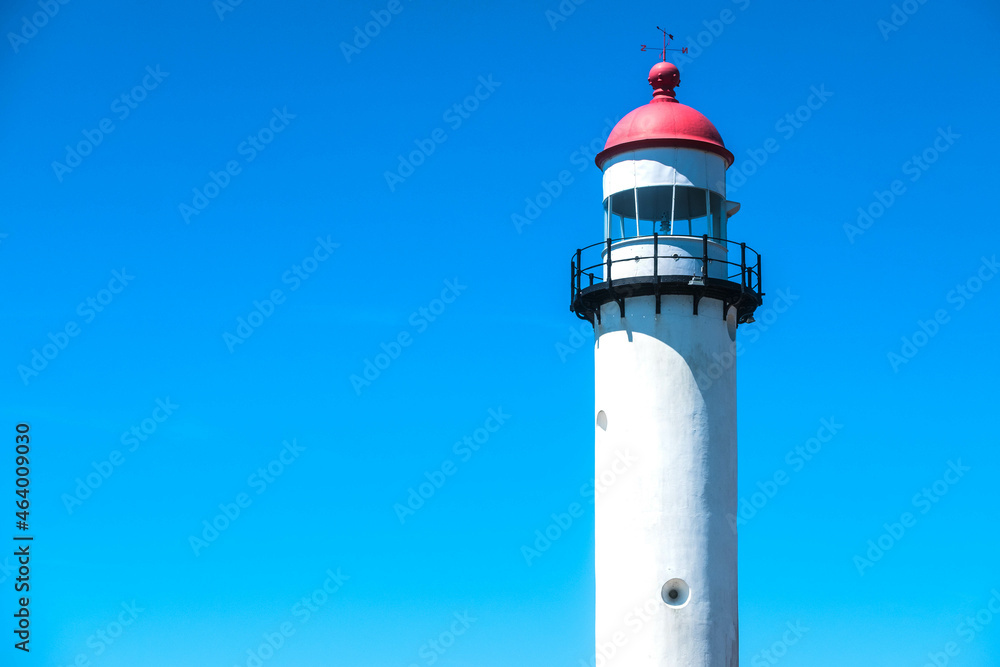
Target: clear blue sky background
[[507, 341]]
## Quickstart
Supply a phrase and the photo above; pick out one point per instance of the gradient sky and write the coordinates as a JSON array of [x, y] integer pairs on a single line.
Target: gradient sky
[[356, 255]]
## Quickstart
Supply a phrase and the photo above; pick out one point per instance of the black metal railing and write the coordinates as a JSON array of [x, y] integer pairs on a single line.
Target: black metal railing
[[746, 273]]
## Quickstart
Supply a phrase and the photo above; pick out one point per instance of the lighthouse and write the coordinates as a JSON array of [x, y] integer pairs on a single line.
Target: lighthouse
[[666, 289]]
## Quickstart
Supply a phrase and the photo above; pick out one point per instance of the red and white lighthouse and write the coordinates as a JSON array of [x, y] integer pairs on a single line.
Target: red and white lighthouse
[[665, 289]]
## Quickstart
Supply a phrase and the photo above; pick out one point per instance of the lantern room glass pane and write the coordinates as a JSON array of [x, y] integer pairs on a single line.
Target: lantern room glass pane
[[664, 209], [718, 204]]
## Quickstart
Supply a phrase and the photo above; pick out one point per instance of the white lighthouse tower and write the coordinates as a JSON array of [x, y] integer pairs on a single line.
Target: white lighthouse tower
[[665, 290]]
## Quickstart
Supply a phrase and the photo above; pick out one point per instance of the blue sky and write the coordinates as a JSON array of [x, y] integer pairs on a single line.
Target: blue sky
[[255, 116]]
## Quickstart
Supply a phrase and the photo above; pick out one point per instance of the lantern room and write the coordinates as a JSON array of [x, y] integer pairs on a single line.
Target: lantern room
[[664, 169], [670, 191]]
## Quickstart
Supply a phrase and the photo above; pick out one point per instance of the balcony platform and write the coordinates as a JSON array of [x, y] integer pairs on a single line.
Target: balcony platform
[[665, 265]]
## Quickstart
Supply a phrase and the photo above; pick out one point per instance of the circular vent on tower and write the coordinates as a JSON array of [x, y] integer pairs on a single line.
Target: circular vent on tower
[[675, 593]]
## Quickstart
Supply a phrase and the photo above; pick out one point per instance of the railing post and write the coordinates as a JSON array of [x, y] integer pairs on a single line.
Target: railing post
[[743, 264], [760, 285], [572, 283], [704, 259], [656, 269], [656, 255], [607, 277], [579, 269]]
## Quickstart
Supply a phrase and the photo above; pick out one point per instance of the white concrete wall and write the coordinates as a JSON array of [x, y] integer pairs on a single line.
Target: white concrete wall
[[665, 518], [678, 256], [665, 166]]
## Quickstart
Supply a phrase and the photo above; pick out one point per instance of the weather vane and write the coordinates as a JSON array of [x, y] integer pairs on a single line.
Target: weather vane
[[667, 38]]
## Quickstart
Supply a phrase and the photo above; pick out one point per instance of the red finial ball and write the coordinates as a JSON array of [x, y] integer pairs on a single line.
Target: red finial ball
[[664, 77]]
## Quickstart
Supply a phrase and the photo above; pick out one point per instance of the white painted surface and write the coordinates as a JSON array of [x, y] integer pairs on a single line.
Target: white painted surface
[[678, 256], [666, 517], [665, 166]]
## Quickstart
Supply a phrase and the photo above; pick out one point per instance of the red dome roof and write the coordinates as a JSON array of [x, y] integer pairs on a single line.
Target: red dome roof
[[663, 122]]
